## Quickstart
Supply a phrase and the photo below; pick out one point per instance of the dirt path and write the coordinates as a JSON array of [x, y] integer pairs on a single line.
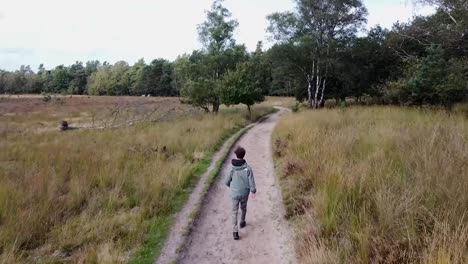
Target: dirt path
[[267, 237], [178, 236]]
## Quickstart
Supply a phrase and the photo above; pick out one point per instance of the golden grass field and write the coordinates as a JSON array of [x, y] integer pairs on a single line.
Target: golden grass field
[[32, 114], [376, 184], [286, 102], [92, 195]]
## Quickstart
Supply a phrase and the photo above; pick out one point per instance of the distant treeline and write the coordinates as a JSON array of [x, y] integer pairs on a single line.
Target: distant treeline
[[317, 56], [94, 78]]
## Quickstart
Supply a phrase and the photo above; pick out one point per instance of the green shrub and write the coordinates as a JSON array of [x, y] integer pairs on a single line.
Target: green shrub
[[295, 107], [373, 101], [46, 98], [392, 94], [461, 108], [330, 103]]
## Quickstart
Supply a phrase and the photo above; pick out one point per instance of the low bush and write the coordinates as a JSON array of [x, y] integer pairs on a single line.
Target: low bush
[[295, 107], [461, 109], [330, 103]]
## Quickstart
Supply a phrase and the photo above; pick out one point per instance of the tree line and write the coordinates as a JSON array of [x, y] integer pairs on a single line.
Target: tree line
[[318, 55], [93, 78]]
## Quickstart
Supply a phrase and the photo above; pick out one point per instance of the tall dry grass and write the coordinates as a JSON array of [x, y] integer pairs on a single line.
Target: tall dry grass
[[376, 185], [281, 101], [91, 196], [31, 114]]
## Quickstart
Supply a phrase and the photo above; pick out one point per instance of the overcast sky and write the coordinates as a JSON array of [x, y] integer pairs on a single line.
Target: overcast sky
[[57, 32]]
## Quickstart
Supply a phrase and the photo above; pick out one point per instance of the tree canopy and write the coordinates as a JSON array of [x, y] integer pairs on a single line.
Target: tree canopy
[[204, 79]]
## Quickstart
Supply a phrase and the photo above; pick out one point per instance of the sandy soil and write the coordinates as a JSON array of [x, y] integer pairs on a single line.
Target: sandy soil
[[178, 235], [267, 238]]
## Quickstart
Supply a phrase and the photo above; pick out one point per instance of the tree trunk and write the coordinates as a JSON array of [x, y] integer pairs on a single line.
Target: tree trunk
[[309, 91], [323, 92], [216, 106], [317, 88], [317, 84], [250, 112], [310, 79]]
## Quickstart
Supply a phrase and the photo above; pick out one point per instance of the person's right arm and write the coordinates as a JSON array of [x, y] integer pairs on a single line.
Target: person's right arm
[[228, 178]]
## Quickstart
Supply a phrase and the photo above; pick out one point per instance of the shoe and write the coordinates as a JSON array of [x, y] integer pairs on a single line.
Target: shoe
[[242, 224], [236, 235]]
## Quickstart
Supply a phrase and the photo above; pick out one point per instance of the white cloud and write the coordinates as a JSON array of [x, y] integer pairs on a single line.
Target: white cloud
[[387, 12], [64, 31], [60, 32]]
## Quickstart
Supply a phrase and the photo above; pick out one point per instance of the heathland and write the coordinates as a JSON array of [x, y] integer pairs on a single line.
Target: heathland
[[93, 193], [376, 184]]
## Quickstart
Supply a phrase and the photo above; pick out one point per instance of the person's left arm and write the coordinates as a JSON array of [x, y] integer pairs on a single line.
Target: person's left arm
[[252, 186]]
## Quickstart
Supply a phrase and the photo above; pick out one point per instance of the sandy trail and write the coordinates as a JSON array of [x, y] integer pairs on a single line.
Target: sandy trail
[[267, 237], [178, 235]]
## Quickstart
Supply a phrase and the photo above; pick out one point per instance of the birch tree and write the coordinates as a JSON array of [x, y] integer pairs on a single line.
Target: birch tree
[[316, 27]]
